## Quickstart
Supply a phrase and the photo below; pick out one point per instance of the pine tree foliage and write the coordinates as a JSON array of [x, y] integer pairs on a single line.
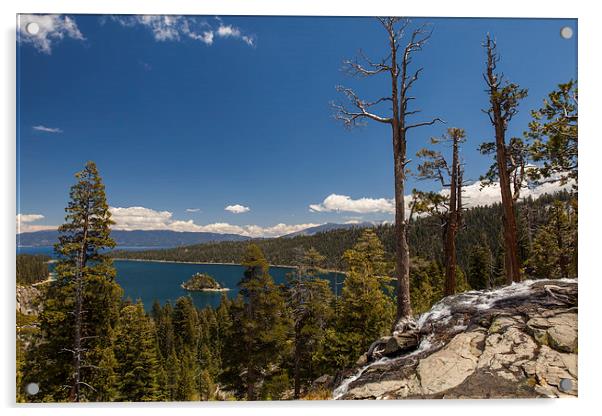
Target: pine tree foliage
[[554, 135], [311, 301], [480, 265], [554, 254], [365, 311], [31, 268], [426, 284], [260, 328], [136, 354], [81, 308]]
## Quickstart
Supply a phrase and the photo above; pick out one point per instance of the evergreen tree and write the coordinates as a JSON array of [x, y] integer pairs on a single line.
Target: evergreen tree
[[186, 389], [258, 339], [462, 284], [209, 358], [81, 307], [310, 300], [171, 376], [554, 133], [366, 311], [555, 245], [275, 387], [187, 331], [186, 324], [136, 354], [479, 268], [510, 157], [164, 328], [499, 264], [223, 330], [426, 284], [207, 385], [449, 174]]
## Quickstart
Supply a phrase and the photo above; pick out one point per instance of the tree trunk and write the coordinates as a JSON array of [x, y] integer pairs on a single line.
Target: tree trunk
[[77, 336], [452, 225], [401, 82], [75, 396], [562, 257], [402, 251], [509, 220], [250, 383], [297, 369]]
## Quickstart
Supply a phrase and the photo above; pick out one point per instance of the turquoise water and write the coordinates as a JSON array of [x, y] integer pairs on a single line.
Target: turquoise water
[[152, 280], [148, 281]]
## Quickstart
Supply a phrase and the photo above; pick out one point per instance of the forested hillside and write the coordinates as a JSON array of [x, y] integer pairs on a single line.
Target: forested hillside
[[135, 238], [31, 268], [481, 229]]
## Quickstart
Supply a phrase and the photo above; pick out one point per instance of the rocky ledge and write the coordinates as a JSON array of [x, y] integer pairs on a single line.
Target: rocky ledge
[[28, 300], [518, 341]]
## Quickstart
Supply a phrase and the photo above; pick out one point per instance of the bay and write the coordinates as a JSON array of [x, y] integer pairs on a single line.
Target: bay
[[150, 280]]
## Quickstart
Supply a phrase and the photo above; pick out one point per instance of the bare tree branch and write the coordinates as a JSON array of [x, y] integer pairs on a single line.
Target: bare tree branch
[[425, 123], [350, 117], [87, 385]]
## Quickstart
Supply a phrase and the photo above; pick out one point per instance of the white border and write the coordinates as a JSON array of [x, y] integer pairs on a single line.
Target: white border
[[590, 285]]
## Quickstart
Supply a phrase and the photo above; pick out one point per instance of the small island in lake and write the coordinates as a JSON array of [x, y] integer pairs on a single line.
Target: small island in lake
[[201, 282]]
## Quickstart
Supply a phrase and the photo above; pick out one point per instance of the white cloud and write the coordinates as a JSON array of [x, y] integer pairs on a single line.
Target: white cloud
[[237, 209], [24, 226], [51, 29], [474, 195], [193, 210], [175, 28], [141, 218], [223, 228], [29, 217], [249, 40], [276, 230], [206, 37], [344, 203], [47, 129], [226, 31]]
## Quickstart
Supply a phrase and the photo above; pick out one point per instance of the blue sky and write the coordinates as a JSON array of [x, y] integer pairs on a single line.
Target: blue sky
[[188, 116]]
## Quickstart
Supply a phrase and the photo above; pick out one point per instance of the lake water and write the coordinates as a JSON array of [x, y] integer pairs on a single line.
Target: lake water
[[148, 280]]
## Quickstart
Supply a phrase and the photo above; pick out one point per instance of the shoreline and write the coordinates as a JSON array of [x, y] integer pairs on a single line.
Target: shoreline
[[196, 262], [222, 289], [282, 266]]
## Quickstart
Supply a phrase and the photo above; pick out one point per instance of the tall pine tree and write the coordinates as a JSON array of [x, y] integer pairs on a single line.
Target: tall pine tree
[[258, 338], [555, 245], [136, 354], [366, 311], [81, 307], [311, 302]]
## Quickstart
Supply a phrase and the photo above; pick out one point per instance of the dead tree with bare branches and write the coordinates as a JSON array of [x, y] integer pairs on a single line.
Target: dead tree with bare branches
[[396, 65]]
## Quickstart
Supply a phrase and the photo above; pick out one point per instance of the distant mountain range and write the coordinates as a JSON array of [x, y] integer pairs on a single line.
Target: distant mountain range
[[136, 238], [329, 226], [168, 239]]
